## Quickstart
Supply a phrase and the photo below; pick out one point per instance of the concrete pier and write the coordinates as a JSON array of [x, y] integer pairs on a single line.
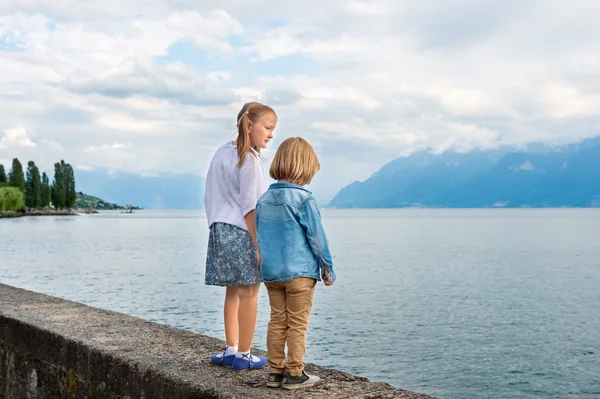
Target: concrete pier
[[53, 348]]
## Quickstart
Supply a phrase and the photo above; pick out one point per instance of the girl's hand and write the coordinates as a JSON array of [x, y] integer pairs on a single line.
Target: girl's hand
[[258, 259], [326, 280]]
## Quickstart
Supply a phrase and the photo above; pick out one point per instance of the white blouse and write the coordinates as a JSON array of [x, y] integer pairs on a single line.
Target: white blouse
[[232, 192]]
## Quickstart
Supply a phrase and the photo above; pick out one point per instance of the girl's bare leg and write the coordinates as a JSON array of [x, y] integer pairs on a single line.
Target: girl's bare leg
[[248, 302], [230, 315]]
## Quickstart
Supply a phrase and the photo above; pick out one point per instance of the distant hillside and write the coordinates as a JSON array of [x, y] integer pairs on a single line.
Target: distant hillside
[[162, 192], [84, 201], [540, 176]]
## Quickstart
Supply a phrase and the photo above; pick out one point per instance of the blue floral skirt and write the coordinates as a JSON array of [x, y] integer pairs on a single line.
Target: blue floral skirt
[[231, 257]]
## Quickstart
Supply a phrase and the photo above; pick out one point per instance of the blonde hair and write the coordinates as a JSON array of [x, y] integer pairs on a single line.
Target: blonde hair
[[251, 112], [295, 161]]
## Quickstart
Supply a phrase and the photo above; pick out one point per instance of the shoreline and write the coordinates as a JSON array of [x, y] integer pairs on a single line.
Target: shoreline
[[13, 214]]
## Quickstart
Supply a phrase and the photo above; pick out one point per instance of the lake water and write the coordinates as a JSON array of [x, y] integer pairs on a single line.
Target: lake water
[[453, 303]]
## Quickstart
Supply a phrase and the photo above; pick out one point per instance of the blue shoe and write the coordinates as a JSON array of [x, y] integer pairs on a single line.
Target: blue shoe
[[248, 362], [222, 360]]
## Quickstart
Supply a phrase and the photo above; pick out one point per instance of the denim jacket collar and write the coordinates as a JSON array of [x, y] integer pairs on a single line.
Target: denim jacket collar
[[289, 185]]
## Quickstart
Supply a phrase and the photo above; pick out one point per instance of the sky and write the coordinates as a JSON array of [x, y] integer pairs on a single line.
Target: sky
[[152, 87]]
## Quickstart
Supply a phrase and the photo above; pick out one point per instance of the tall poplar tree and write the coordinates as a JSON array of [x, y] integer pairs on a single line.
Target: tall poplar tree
[[33, 186], [16, 177]]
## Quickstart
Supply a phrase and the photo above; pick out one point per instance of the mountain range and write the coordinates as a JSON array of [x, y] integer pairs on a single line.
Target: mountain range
[[537, 176]]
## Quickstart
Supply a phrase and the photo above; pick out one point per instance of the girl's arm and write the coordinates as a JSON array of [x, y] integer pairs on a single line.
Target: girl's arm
[[249, 177], [251, 222], [310, 219]]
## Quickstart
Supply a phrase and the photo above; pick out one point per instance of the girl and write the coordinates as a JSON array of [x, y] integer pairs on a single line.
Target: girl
[[295, 254], [234, 182]]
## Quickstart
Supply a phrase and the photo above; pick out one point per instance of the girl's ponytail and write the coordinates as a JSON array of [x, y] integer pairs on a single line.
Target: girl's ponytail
[[243, 140]]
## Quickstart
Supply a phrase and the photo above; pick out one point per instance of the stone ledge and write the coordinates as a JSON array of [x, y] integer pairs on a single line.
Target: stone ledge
[[53, 348]]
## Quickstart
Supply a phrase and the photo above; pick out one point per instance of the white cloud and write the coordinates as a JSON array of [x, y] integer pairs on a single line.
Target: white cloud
[[109, 147], [83, 167], [364, 81], [217, 76], [175, 81], [16, 137], [52, 145], [22, 143]]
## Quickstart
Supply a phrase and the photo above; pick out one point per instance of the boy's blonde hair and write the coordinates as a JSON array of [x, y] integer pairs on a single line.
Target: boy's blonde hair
[[252, 112], [295, 161]]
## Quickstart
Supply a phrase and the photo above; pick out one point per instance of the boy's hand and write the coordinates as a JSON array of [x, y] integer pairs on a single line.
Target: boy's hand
[[326, 280]]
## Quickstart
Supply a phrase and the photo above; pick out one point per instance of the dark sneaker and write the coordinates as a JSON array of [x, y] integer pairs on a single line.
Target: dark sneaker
[[275, 380], [248, 362], [299, 382]]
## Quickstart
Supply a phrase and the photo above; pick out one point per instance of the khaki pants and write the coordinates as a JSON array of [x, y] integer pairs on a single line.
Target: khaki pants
[[291, 302]]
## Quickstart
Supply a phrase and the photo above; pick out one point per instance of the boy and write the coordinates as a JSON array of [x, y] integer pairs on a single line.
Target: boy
[[294, 254]]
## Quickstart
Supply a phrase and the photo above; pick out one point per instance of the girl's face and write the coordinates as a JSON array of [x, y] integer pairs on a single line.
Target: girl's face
[[261, 132]]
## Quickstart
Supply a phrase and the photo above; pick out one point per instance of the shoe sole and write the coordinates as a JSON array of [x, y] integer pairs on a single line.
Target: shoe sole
[[274, 384], [220, 364], [253, 368], [298, 386]]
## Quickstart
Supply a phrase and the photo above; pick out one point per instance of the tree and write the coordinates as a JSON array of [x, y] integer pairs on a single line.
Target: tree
[[33, 192], [2, 176], [59, 192], [71, 194], [11, 199], [45, 191], [16, 178]]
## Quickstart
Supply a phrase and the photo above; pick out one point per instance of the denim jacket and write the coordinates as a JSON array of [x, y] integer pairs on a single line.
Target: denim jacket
[[291, 239]]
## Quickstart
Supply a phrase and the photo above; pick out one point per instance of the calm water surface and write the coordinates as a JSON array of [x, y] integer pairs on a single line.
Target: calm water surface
[[454, 303]]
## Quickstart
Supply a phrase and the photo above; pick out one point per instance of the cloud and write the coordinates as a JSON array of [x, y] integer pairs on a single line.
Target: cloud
[[280, 96], [174, 81], [21, 142], [16, 137], [364, 81], [109, 147], [51, 145], [84, 167]]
